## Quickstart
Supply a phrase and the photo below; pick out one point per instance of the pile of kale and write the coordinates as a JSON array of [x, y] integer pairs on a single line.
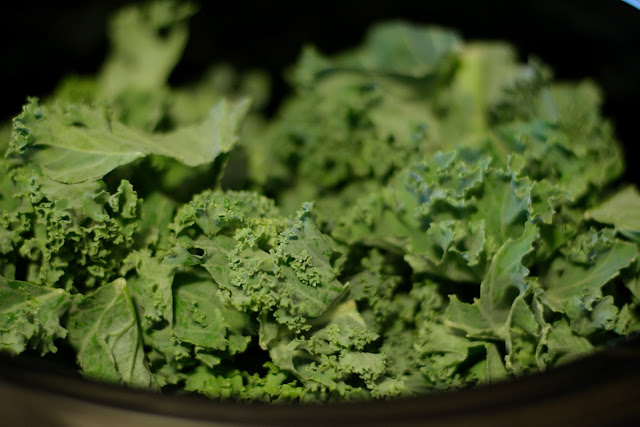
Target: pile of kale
[[422, 214]]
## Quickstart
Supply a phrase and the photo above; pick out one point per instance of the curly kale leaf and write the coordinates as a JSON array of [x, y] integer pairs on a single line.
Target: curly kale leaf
[[68, 235], [30, 316], [262, 261]]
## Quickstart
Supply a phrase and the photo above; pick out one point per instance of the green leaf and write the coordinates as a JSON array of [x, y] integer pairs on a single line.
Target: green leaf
[[74, 143], [311, 266], [484, 70], [260, 260], [621, 210], [602, 317], [203, 380], [151, 288], [628, 321], [404, 49], [375, 286], [71, 235], [156, 214], [5, 136], [495, 370], [104, 332], [326, 359], [506, 281], [202, 319], [506, 278], [525, 331], [30, 316], [467, 317], [146, 43], [571, 287], [563, 345], [440, 353], [503, 207]]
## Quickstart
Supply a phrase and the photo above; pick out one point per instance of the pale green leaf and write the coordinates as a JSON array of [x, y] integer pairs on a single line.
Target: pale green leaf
[[104, 332], [74, 142], [507, 277], [141, 56], [578, 285], [622, 211]]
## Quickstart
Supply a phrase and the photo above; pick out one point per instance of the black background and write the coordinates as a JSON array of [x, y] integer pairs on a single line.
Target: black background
[[40, 41]]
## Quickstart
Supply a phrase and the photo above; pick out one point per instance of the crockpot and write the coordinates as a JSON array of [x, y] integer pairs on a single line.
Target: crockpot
[[598, 39]]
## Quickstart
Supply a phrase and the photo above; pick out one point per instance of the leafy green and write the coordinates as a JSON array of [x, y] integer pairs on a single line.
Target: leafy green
[[30, 316], [262, 261], [506, 279], [565, 280], [142, 56], [421, 214], [75, 143], [68, 235], [620, 211], [104, 332]]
